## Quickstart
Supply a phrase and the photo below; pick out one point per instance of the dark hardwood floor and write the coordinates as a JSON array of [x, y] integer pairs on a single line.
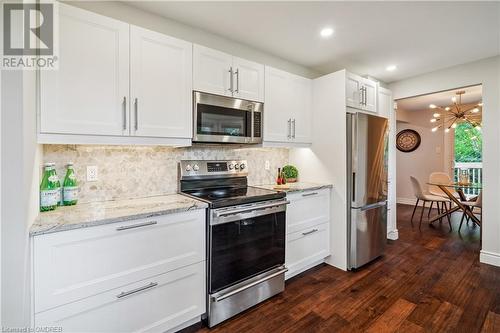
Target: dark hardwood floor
[[430, 280]]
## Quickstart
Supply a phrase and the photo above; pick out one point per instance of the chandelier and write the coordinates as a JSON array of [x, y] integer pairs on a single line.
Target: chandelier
[[450, 116]]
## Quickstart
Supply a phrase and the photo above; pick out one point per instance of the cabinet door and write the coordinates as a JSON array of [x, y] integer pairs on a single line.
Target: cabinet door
[[301, 106], [370, 102], [277, 110], [353, 90], [161, 85], [156, 304], [248, 80], [89, 92], [211, 71]]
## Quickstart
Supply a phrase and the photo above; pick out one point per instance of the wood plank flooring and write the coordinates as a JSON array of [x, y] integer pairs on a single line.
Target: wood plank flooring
[[430, 280]]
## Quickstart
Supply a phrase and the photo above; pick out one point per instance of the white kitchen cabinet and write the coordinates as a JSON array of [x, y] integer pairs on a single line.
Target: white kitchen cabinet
[[249, 79], [308, 230], [287, 108], [386, 109], [220, 73], [160, 85], [89, 93], [157, 304], [361, 93], [212, 71], [143, 275]]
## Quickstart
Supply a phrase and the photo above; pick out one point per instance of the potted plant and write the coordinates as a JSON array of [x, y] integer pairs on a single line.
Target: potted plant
[[291, 173]]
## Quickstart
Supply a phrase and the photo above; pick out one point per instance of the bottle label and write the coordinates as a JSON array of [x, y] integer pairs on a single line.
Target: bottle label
[[48, 198], [53, 178], [70, 193]]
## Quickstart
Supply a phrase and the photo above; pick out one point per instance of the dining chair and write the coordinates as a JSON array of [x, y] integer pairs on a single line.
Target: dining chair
[[471, 205], [426, 197], [441, 178]]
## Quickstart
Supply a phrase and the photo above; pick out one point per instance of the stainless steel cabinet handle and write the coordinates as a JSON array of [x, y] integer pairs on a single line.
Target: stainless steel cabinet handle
[[237, 81], [138, 225], [231, 80], [247, 209], [134, 291], [136, 115], [124, 110], [293, 122], [309, 232], [309, 194]]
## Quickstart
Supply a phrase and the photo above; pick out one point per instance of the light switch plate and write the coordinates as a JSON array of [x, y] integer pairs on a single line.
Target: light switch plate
[[92, 173], [267, 165]]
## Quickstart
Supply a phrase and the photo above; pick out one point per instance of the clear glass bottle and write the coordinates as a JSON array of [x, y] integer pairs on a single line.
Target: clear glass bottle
[[48, 188], [70, 186]]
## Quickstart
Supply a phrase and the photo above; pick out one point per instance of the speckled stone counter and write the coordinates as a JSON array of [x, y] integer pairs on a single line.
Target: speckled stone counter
[[99, 213], [295, 187]]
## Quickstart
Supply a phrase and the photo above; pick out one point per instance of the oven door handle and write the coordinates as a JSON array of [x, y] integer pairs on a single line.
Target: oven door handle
[[252, 208], [250, 285]]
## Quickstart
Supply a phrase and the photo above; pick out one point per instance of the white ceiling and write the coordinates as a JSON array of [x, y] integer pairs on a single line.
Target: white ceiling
[[418, 37], [472, 95]]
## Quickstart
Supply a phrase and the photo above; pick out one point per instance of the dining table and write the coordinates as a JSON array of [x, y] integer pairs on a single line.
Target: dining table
[[459, 188]]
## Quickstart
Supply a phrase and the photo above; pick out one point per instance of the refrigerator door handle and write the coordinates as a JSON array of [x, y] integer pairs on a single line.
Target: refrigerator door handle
[[374, 205], [354, 187]]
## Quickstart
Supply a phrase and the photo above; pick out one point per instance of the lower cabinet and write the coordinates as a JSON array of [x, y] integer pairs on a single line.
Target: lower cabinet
[[144, 275], [157, 304], [308, 230]]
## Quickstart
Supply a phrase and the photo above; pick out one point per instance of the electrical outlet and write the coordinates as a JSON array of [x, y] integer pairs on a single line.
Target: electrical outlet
[[92, 173], [267, 165]]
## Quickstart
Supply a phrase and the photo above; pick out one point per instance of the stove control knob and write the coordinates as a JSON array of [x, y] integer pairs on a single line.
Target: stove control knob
[[242, 166], [231, 166], [188, 167], [236, 166], [196, 167]]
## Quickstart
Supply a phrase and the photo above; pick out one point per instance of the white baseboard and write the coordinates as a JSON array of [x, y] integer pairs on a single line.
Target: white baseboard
[[393, 234], [490, 258]]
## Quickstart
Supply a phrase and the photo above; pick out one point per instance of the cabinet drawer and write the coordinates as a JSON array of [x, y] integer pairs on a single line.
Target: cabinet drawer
[[156, 304], [75, 264], [306, 247], [307, 209]]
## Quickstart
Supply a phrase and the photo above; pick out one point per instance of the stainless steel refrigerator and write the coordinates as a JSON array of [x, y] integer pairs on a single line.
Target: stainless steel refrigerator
[[367, 152]]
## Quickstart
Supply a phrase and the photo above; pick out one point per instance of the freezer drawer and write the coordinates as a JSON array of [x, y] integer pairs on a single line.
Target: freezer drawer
[[368, 234]]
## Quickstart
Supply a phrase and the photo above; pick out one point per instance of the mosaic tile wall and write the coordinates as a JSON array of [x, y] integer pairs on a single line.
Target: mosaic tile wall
[[138, 171]]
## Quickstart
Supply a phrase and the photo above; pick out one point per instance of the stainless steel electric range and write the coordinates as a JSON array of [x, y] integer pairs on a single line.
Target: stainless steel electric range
[[245, 236]]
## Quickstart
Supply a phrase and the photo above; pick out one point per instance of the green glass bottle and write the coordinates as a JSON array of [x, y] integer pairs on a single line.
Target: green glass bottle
[[70, 186], [48, 188]]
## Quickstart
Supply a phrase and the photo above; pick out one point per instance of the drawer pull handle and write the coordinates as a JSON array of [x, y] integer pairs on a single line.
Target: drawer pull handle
[[133, 291], [138, 225], [309, 232], [309, 194]]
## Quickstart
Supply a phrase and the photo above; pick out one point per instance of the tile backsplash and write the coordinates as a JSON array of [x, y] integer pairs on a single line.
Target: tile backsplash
[[137, 171]]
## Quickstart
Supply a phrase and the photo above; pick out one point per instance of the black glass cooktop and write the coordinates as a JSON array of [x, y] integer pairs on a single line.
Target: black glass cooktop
[[230, 196]]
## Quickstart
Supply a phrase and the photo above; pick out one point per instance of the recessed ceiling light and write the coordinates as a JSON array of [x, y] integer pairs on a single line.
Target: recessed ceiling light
[[391, 68], [326, 32]]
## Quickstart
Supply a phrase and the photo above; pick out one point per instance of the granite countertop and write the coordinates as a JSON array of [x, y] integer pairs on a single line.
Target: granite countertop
[[294, 187], [99, 213]]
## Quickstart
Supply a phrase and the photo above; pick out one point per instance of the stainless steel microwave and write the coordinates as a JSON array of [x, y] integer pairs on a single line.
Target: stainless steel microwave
[[220, 119]]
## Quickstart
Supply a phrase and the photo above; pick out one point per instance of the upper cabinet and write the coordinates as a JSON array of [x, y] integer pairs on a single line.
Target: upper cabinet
[[287, 108], [116, 83], [88, 94], [160, 85], [361, 93], [220, 73]]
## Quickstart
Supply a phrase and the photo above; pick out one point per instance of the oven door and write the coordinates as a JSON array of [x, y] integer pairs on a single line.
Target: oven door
[[226, 119], [245, 241]]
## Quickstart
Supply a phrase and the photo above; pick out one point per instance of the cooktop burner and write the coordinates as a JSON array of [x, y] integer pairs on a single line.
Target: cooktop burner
[[221, 183]]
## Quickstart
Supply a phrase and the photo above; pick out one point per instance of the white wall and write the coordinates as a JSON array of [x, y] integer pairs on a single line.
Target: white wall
[[326, 160], [487, 73], [129, 14], [419, 163]]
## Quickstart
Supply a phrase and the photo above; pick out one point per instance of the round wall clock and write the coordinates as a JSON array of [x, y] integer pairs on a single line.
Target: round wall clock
[[408, 140]]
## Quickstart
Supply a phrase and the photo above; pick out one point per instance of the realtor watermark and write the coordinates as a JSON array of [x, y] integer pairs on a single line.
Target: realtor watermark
[[29, 35], [41, 329]]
